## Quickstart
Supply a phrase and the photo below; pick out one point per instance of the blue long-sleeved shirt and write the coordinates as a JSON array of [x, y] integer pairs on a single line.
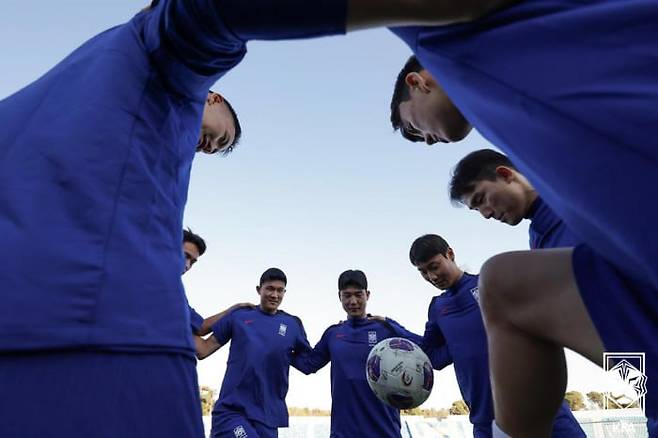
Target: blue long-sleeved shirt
[[553, 84], [95, 161], [261, 352], [547, 230], [355, 409], [455, 320]]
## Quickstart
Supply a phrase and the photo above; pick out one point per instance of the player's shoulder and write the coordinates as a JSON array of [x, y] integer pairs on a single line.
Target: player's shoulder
[[385, 322], [243, 311], [435, 302], [290, 317], [333, 327], [471, 279]]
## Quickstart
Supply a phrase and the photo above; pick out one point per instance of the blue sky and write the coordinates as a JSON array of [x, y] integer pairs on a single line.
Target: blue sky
[[319, 183]]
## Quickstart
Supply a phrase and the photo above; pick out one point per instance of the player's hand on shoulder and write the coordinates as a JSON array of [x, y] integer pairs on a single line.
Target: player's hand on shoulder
[[243, 306], [376, 318]]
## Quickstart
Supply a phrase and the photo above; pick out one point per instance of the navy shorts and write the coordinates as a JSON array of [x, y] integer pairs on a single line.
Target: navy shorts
[[232, 424], [99, 394], [624, 311]]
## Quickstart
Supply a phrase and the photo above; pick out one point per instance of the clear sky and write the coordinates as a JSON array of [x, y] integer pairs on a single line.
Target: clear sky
[[319, 184]]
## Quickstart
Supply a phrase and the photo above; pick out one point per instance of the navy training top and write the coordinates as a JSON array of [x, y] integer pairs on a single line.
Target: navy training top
[[547, 230], [95, 163], [262, 348], [355, 409], [567, 89], [454, 319]]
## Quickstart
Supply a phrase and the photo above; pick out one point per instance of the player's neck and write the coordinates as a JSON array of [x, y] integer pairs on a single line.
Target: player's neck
[[268, 311]]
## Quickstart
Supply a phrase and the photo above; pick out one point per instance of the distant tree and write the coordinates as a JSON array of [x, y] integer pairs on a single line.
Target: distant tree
[[429, 413], [442, 414], [459, 408], [597, 398], [306, 412], [207, 400], [575, 400]]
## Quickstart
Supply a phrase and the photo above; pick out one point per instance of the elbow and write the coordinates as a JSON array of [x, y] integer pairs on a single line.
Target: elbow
[[475, 9]]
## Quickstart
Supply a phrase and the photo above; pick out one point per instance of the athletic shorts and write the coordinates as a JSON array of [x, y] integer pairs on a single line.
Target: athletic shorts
[[624, 311], [233, 424], [566, 425], [99, 394]]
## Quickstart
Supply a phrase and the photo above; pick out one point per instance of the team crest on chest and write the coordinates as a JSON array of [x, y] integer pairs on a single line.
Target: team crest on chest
[[476, 294], [372, 337], [283, 329], [239, 432]]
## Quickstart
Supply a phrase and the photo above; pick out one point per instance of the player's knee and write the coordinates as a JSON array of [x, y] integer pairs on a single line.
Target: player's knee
[[497, 288]]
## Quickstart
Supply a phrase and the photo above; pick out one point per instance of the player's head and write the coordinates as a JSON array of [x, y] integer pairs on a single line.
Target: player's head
[[435, 261], [422, 111], [220, 127], [487, 181], [353, 292], [271, 288], [193, 248]]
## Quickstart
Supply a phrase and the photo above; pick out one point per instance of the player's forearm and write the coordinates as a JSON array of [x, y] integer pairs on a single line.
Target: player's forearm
[[205, 347], [362, 14], [206, 327]]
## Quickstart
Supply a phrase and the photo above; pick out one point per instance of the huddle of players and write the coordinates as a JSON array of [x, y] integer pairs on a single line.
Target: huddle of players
[[110, 173], [266, 341]]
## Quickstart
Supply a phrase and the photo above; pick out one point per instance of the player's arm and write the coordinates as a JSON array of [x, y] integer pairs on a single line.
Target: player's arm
[[398, 329], [310, 360], [364, 14], [435, 346], [210, 35], [206, 346], [222, 333], [206, 326], [432, 342]]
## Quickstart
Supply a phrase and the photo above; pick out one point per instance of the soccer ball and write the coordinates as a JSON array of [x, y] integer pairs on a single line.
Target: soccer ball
[[399, 373]]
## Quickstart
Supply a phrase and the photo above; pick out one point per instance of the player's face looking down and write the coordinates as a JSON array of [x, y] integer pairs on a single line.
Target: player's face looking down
[[507, 199], [429, 115], [191, 252], [354, 301], [441, 270], [217, 126], [271, 295]]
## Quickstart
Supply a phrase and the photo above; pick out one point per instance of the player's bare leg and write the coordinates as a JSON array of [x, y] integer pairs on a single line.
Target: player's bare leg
[[532, 309]]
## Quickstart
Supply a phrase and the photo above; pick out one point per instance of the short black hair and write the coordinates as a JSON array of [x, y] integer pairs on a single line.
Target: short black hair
[[475, 167], [273, 274], [189, 236], [238, 128], [426, 247], [236, 122], [354, 278], [401, 94]]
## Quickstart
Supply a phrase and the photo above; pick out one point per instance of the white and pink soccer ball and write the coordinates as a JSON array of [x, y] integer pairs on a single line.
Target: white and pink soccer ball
[[399, 373]]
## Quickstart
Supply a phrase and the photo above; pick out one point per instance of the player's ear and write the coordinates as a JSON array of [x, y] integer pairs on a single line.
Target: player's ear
[[450, 254], [506, 173], [214, 98], [258, 290], [416, 81], [367, 295]]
